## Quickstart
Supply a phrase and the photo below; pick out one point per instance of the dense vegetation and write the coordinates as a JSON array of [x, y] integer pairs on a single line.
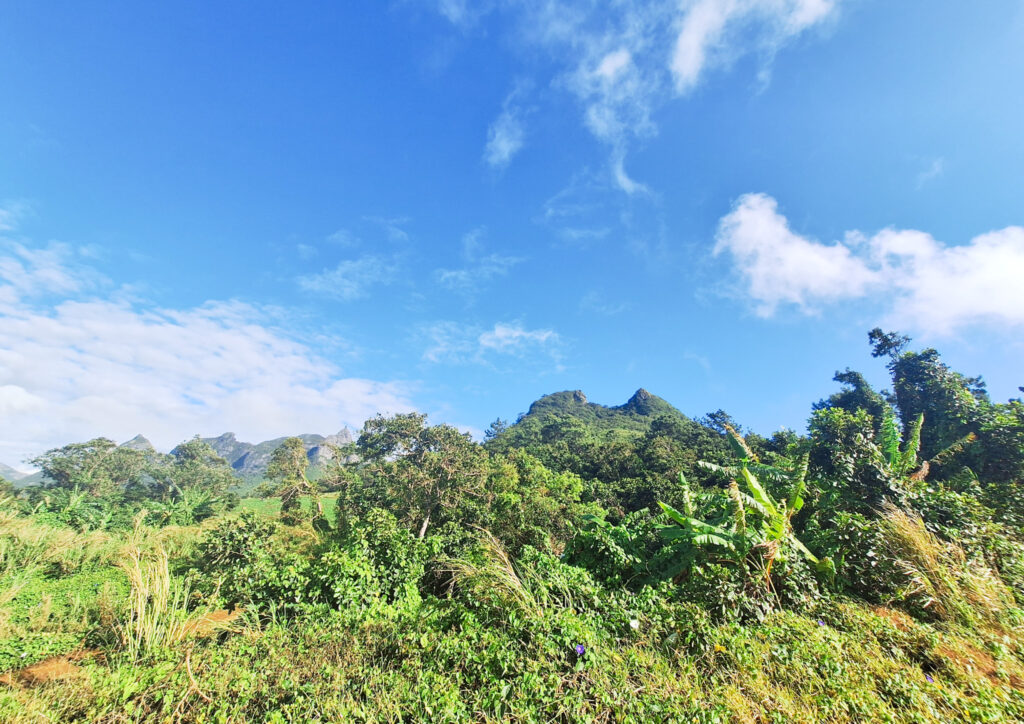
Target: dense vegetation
[[585, 563]]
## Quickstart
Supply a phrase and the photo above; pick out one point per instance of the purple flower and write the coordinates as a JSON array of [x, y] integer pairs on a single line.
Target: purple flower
[[820, 622], [580, 650], [929, 678]]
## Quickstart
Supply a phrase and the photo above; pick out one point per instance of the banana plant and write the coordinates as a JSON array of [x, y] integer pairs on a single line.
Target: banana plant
[[756, 529]]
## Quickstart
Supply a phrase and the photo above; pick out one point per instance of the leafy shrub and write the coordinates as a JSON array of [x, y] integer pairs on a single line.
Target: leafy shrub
[[237, 560]]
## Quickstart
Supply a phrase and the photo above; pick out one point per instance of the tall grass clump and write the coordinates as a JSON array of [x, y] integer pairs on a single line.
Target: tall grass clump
[[158, 614], [530, 588], [489, 576], [938, 575], [28, 543]]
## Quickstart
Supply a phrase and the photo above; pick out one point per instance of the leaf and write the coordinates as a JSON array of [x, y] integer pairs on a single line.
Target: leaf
[[803, 549], [710, 539], [739, 445], [726, 470], [674, 514], [759, 493], [890, 437], [908, 459], [688, 507]]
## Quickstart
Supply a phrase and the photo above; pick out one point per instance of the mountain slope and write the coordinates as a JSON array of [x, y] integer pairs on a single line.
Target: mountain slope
[[10, 474], [250, 460]]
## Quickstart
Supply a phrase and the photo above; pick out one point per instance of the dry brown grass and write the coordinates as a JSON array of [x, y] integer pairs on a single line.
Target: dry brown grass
[[26, 543], [939, 576]]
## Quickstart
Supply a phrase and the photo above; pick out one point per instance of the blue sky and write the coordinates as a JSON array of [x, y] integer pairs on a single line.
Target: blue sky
[[278, 219]]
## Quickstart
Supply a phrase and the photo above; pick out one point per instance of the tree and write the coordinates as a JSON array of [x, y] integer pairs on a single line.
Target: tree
[[287, 469], [495, 429], [192, 465], [426, 474], [189, 485], [531, 504], [856, 395], [98, 466], [887, 344]]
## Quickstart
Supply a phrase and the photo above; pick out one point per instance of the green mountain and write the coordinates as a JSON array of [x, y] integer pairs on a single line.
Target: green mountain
[[636, 414]]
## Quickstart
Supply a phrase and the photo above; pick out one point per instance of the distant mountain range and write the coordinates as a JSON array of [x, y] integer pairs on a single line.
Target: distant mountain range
[[248, 460], [9, 473]]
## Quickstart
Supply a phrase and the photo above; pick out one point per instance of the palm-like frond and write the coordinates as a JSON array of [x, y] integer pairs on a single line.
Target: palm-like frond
[[739, 445], [908, 458], [890, 437]]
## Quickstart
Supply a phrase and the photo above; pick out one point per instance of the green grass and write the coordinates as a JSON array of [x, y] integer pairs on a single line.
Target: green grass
[[473, 656], [271, 507]]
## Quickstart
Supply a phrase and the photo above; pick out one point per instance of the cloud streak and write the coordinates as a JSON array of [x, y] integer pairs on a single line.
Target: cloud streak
[[507, 135], [350, 279], [456, 343]]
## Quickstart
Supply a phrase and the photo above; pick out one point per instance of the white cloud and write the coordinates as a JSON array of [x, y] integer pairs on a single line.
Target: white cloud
[[471, 279], [392, 226], [506, 136], [779, 266], [712, 32], [350, 279], [27, 273], [457, 343], [926, 285], [513, 339], [942, 288], [623, 60], [344, 238], [84, 366], [10, 213]]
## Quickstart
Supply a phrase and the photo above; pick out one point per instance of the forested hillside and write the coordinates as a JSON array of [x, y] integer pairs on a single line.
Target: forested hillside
[[583, 563]]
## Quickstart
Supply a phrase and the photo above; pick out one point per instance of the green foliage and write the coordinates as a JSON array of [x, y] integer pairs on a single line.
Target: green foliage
[[532, 505], [438, 593], [98, 466], [424, 474], [287, 470], [237, 559]]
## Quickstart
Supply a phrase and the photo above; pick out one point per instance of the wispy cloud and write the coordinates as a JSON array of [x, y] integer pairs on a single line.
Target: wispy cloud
[[595, 302], [506, 136], [11, 212], [581, 213], [926, 285], [344, 238], [32, 272], [479, 269], [715, 32], [392, 226], [77, 362], [350, 279], [457, 343], [624, 60], [934, 170]]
